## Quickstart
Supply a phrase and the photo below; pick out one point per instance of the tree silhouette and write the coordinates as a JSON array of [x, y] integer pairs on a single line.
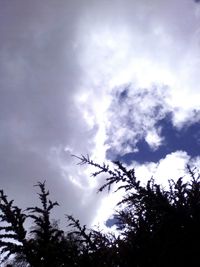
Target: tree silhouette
[[97, 248], [13, 234], [44, 245], [158, 226]]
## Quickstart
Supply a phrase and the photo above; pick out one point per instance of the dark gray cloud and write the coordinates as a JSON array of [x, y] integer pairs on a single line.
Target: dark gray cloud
[[39, 78]]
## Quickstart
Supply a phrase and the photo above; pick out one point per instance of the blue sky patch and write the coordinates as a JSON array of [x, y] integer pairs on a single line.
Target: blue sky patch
[[186, 139]]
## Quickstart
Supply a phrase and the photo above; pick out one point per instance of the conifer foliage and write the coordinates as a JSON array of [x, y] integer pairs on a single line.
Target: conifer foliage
[[157, 226]]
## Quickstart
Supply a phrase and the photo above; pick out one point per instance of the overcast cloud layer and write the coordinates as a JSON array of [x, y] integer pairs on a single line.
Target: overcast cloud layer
[[88, 77]]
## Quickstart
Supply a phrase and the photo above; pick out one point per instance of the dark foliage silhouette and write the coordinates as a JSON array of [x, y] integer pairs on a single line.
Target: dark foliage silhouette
[[160, 227], [44, 245], [157, 226]]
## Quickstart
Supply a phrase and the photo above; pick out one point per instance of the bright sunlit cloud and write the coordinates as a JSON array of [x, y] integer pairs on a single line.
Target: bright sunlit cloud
[[93, 77]]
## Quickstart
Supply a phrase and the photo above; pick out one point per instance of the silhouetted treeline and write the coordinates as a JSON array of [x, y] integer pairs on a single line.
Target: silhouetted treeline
[[157, 226]]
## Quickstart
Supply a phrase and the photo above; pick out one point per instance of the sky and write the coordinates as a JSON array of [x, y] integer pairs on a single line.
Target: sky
[[112, 79]]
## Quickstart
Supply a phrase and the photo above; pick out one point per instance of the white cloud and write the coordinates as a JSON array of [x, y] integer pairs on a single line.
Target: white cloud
[[134, 116], [172, 166], [154, 139], [155, 48], [150, 45], [64, 64]]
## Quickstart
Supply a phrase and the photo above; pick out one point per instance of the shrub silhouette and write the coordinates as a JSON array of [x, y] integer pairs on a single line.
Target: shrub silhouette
[[157, 226]]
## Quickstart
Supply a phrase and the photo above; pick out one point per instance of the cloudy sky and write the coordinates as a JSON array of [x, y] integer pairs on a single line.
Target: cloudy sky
[[115, 79]]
